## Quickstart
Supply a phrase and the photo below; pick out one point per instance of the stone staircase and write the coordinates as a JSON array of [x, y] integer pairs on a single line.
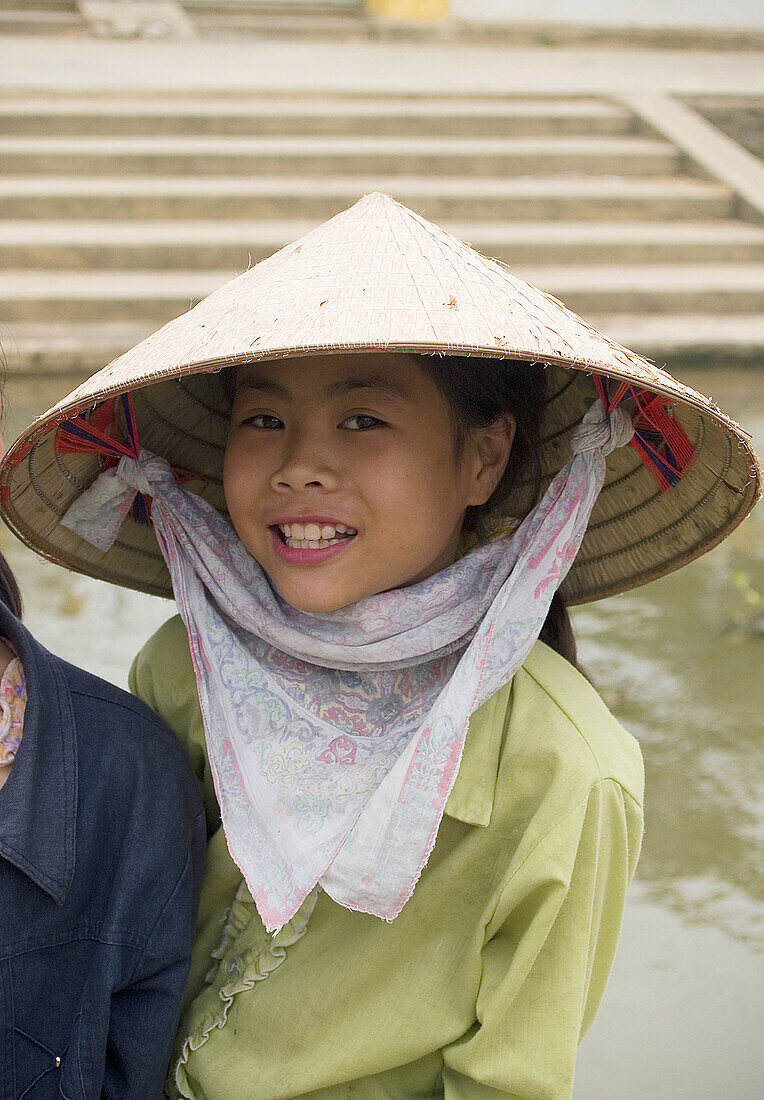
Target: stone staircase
[[119, 212]]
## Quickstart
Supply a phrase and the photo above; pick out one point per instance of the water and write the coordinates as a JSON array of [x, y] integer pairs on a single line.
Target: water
[[679, 662]]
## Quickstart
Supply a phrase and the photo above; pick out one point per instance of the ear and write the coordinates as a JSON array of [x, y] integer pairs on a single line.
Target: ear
[[492, 446]]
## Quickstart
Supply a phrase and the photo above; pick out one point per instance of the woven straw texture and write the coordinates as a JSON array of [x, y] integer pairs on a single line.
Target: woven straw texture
[[378, 276]]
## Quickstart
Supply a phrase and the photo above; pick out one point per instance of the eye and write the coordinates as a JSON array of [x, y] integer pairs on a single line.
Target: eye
[[273, 421], [369, 421]]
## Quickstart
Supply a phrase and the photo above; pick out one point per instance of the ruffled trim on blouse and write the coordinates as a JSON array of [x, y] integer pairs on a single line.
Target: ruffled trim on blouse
[[242, 971]]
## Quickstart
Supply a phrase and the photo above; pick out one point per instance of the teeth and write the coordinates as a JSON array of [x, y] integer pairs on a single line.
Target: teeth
[[313, 533], [312, 544]]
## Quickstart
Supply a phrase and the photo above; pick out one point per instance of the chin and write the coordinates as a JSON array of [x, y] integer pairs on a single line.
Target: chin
[[316, 604]]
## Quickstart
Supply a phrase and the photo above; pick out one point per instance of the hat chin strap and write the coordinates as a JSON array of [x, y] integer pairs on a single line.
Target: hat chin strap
[[98, 513], [603, 431]]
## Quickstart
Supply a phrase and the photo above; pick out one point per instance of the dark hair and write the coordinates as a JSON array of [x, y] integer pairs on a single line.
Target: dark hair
[[9, 589], [479, 391]]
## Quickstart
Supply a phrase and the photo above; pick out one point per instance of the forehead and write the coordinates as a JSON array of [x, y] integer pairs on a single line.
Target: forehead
[[396, 375]]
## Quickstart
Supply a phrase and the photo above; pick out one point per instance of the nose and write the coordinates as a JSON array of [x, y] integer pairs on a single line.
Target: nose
[[306, 463]]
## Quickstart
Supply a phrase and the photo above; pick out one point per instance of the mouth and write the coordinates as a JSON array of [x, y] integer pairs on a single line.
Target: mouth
[[291, 545], [313, 536]]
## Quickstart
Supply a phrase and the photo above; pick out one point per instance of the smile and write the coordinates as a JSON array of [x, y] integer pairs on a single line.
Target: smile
[[314, 536], [305, 551]]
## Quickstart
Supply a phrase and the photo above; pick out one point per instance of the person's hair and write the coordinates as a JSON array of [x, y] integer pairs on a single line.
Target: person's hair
[[9, 589], [479, 391]]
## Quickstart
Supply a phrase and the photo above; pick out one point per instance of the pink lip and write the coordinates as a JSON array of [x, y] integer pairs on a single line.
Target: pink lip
[[302, 556]]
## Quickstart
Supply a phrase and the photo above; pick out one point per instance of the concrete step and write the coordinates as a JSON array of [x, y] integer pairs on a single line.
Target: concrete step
[[690, 340], [231, 7], [287, 18], [361, 115], [216, 156], [337, 9], [55, 5], [47, 296], [72, 349], [233, 245], [318, 25], [527, 198], [77, 349], [154, 297], [20, 18], [651, 290]]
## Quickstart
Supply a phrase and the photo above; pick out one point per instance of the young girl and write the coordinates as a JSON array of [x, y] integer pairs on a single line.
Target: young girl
[[422, 820]]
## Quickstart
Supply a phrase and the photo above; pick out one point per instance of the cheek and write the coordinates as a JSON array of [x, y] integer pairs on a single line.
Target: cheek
[[439, 477], [422, 491], [229, 474], [238, 476]]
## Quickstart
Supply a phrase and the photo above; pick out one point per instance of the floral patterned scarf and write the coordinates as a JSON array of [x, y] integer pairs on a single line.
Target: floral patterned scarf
[[13, 701], [335, 739]]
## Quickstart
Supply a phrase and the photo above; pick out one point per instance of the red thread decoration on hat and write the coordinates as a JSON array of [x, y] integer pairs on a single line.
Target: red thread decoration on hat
[[99, 434], [659, 439], [20, 453]]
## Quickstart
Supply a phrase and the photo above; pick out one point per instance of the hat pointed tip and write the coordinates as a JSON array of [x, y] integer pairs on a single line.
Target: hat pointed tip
[[376, 196]]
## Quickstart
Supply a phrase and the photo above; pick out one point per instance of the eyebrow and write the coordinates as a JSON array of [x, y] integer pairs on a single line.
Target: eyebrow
[[376, 382]]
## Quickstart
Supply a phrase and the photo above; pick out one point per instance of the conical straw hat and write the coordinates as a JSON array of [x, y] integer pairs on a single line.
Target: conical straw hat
[[378, 276]]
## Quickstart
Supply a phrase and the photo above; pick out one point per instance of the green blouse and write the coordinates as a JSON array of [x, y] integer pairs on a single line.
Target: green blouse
[[485, 983]]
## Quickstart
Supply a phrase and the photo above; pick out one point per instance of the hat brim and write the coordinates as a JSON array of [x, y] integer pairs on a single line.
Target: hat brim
[[636, 532]]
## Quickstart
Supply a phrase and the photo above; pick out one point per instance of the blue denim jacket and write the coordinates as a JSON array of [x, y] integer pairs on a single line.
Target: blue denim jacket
[[102, 843]]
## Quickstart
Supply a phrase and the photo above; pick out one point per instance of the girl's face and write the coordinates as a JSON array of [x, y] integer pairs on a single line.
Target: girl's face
[[341, 479]]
